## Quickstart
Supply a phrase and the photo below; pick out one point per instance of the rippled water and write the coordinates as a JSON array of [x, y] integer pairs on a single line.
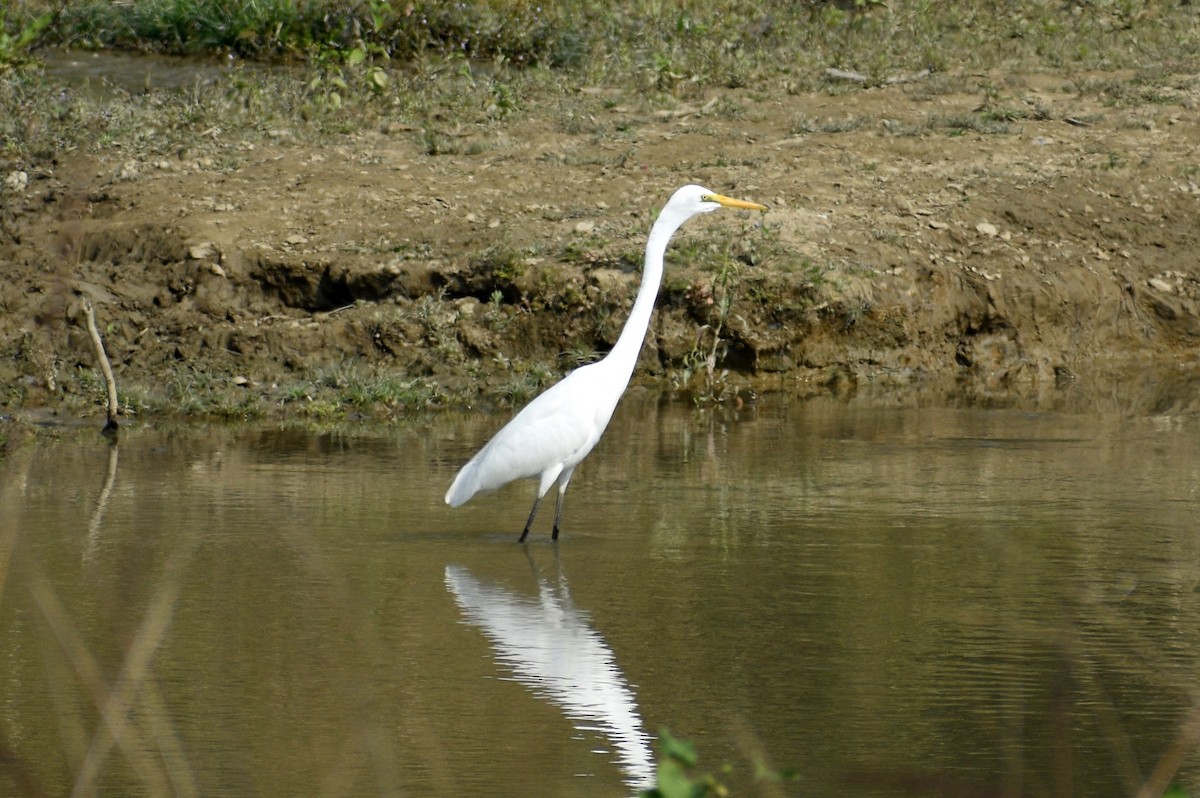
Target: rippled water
[[888, 601]]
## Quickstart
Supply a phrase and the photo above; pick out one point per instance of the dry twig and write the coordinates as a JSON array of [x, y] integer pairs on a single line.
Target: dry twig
[[105, 367]]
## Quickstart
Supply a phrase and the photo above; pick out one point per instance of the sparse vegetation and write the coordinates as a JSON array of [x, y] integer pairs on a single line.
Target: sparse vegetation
[[486, 59], [462, 82], [711, 343]]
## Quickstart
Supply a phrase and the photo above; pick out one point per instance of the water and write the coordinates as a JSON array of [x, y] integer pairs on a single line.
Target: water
[[888, 601], [101, 71]]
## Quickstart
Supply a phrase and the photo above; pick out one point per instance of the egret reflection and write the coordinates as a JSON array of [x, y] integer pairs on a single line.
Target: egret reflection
[[552, 648]]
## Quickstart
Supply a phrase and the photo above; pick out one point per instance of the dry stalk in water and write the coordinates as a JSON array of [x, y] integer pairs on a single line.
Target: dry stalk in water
[[105, 367]]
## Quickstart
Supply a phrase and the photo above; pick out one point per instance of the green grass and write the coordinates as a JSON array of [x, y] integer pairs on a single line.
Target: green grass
[[19, 35], [335, 394], [437, 67], [358, 390], [723, 42], [525, 33]]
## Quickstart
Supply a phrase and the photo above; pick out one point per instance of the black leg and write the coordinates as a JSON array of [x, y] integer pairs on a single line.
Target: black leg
[[558, 514], [529, 523]]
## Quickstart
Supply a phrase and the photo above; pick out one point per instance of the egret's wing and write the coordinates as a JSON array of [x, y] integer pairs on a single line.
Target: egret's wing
[[547, 432], [559, 426]]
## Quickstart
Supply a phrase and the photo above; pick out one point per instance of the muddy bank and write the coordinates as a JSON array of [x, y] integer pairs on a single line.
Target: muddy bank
[[909, 245]]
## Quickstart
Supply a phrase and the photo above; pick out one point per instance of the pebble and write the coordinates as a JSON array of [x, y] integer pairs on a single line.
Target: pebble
[[585, 227], [201, 251], [128, 171], [987, 229], [17, 180], [1159, 284]]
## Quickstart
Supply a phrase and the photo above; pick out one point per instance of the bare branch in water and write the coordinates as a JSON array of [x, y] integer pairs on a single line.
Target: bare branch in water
[[105, 367]]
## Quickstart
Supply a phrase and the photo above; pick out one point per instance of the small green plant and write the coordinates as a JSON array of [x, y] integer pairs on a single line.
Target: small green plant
[[522, 385], [710, 344], [501, 268], [578, 356], [341, 74], [352, 388], [328, 85], [200, 394], [15, 47], [664, 74], [296, 392], [674, 779]]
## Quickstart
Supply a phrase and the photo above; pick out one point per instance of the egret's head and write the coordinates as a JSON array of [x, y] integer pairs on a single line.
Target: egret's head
[[697, 199]]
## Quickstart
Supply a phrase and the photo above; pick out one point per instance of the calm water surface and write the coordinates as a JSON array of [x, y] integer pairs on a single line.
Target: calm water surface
[[888, 601]]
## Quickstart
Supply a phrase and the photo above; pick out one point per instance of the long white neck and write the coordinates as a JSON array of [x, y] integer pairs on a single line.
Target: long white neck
[[625, 351]]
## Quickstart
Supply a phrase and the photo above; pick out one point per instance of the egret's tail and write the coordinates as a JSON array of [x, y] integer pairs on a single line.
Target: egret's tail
[[463, 487]]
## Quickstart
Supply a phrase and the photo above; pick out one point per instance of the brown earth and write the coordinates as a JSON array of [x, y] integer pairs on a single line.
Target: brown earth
[[1045, 242]]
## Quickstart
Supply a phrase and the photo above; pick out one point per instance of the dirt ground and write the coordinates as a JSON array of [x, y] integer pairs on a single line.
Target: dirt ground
[[1043, 249]]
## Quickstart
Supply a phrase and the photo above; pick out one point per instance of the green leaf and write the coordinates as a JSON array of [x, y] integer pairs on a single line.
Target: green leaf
[[672, 781], [356, 56], [679, 750], [378, 78]]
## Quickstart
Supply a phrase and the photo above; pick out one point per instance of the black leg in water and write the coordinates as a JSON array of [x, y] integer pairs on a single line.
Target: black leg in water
[[558, 514], [529, 523]]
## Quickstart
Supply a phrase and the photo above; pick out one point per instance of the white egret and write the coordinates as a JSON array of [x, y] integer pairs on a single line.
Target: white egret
[[555, 431]]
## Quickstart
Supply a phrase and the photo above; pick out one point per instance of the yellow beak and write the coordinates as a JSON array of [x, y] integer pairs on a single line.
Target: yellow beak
[[730, 202]]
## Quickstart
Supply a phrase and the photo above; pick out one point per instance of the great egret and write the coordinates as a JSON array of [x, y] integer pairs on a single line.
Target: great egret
[[555, 431]]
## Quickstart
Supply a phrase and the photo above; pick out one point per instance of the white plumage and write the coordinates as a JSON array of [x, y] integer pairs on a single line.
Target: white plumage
[[554, 432]]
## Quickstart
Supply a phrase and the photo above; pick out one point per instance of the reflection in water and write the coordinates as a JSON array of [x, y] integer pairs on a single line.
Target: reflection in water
[[110, 477], [553, 650]]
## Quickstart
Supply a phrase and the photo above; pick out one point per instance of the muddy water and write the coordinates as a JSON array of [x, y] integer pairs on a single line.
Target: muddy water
[[887, 601], [102, 71]]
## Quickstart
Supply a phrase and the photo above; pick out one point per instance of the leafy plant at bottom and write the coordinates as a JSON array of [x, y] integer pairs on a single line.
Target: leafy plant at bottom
[[671, 777], [678, 757]]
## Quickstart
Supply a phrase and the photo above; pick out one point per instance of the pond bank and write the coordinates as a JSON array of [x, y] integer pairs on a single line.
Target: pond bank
[[380, 272]]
